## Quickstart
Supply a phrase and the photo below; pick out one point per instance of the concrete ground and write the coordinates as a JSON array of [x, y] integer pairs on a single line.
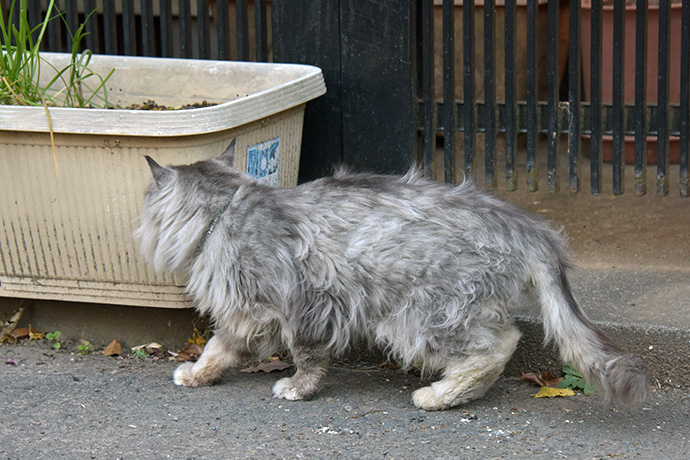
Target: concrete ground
[[59, 405]]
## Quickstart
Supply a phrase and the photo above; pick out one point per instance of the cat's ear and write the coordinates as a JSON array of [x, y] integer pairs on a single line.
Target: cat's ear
[[229, 155], [159, 172]]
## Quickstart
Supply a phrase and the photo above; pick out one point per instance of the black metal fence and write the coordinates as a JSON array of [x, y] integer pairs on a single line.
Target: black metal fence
[[518, 84], [598, 119]]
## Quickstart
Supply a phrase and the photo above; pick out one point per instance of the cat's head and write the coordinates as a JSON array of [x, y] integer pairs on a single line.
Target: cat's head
[[200, 172], [179, 206]]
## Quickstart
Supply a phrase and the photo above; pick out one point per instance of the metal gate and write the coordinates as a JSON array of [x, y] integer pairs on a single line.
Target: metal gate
[[461, 86]]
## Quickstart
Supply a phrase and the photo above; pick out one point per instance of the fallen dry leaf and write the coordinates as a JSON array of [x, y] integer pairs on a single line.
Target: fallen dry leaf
[[270, 366], [113, 349], [35, 335], [546, 379], [19, 333], [199, 337], [548, 392], [149, 347], [191, 353], [11, 324]]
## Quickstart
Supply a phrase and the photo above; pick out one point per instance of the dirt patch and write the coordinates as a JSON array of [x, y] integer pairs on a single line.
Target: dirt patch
[[153, 105]]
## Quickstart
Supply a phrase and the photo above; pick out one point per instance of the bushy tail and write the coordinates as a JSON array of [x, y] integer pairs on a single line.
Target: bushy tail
[[621, 377]]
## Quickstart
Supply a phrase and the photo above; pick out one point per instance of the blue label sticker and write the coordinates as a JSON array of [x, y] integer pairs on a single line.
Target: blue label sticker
[[263, 161]]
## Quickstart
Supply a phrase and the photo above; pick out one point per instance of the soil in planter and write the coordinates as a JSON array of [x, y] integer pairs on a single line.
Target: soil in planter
[[152, 105]]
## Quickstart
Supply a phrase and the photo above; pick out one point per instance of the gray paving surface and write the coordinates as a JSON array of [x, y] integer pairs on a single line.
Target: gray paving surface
[[58, 405]]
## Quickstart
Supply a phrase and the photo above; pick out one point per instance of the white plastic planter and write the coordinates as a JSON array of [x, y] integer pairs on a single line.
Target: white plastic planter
[[69, 238]]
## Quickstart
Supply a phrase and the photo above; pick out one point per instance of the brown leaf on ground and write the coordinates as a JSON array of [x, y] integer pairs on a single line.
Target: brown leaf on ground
[[270, 366], [191, 353], [113, 349], [19, 333], [9, 327], [546, 379]]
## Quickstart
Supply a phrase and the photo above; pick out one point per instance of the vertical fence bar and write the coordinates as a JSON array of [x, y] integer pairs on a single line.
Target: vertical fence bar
[[261, 30], [91, 26], [684, 99], [553, 89], [185, 29], [618, 95], [223, 26], [54, 32], [640, 110], [510, 90], [166, 40], [448, 33], [574, 79], [662, 161], [203, 32], [71, 17], [532, 96], [33, 10], [35, 16], [129, 37], [242, 19], [468, 85], [109, 28], [489, 93], [148, 45], [596, 101], [427, 74]]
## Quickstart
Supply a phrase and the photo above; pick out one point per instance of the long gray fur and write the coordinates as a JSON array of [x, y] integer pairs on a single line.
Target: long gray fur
[[428, 272]]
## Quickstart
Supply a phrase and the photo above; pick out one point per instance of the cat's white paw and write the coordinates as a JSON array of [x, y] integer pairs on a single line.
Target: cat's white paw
[[284, 389], [288, 388], [183, 375], [427, 399]]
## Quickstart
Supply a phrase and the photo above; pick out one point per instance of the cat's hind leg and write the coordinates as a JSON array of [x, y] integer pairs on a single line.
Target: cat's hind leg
[[468, 378], [219, 354], [311, 362]]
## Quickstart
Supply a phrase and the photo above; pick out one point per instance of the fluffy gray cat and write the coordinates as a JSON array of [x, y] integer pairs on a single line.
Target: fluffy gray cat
[[429, 272]]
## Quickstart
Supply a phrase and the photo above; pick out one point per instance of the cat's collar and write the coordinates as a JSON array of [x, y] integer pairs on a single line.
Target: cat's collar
[[210, 228]]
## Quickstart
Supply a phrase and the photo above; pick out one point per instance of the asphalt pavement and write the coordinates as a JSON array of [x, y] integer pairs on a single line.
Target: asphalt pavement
[[56, 404]]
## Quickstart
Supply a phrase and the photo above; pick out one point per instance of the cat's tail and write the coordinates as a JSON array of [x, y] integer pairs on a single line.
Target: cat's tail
[[621, 377]]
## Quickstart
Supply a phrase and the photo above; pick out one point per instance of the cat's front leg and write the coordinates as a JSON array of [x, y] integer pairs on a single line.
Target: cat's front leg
[[217, 357], [311, 362]]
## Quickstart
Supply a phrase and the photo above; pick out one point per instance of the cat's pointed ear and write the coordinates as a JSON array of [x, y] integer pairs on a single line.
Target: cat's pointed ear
[[159, 172], [229, 155]]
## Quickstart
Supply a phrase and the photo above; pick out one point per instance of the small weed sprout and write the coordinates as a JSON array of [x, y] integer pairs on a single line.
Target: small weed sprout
[[85, 348], [54, 338], [139, 353]]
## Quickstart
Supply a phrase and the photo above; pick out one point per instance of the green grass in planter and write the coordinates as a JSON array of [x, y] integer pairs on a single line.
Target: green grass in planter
[[21, 63]]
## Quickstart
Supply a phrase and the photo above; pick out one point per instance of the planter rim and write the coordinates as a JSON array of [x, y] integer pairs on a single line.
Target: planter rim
[[305, 83]]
